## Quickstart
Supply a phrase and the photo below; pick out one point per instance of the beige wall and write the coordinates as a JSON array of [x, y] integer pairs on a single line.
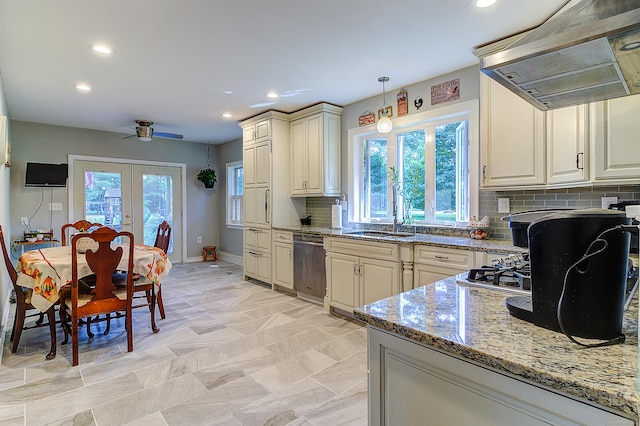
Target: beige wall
[[34, 142]]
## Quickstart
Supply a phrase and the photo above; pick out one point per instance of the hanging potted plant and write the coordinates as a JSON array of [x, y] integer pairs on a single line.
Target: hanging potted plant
[[207, 177]]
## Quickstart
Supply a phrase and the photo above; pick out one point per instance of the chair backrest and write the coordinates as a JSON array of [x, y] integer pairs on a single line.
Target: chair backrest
[[7, 261], [163, 236], [81, 225], [103, 259]]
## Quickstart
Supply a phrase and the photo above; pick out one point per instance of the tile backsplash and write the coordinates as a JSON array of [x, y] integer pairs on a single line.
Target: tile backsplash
[[523, 200]]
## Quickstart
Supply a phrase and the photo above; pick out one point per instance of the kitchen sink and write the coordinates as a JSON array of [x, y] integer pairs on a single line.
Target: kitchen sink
[[373, 233]]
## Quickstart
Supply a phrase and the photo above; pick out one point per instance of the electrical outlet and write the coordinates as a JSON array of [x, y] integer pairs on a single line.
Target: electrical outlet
[[55, 206], [199, 240], [24, 221], [503, 205], [606, 201]]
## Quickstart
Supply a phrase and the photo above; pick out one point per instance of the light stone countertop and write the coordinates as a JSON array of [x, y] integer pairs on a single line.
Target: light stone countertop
[[445, 241], [473, 324]]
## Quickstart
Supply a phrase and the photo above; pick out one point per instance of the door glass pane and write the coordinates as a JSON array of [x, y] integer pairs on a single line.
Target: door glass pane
[[374, 183], [157, 192], [103, 203]]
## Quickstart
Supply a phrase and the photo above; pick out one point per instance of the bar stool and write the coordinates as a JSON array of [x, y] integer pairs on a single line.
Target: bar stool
[[209, 253]]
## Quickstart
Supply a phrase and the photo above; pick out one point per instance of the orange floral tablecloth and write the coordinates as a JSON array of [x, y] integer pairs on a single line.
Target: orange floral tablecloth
[[48, 269]]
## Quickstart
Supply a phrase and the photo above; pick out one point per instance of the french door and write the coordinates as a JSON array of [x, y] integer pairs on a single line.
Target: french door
[[130, 197]]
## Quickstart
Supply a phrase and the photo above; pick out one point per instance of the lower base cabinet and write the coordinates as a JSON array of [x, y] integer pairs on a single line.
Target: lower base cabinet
[[412, 384], [433, 264], [257, 265]]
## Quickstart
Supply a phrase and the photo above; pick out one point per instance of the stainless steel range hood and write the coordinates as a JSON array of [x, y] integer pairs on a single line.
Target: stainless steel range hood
[[588, 51]]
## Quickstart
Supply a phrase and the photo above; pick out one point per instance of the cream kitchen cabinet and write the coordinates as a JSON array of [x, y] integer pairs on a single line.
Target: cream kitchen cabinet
[[614, 134], [259, 131], [283, 259], [410, 382], [315, 151], [266, 164], [355, 280], [567, 144], [512, 138], [432, 264]]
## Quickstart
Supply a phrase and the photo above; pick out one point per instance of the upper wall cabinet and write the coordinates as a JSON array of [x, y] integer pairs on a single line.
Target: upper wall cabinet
[[567, 145], [315, 151], [256, 132], [512, 138], [615, 130]]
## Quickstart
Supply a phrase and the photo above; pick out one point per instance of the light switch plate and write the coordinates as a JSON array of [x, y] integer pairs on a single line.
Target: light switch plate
[[503, 205], [606, 201]]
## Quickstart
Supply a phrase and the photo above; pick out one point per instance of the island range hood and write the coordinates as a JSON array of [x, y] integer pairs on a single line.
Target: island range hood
[[587, 51]]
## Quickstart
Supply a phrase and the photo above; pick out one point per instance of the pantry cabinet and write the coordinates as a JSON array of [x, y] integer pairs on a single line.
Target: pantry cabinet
[[512, 138], [355, 280], [315, 151], [615, 126], [266, 167]]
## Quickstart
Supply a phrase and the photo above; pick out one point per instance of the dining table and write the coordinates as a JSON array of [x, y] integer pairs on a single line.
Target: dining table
[[46, 270]]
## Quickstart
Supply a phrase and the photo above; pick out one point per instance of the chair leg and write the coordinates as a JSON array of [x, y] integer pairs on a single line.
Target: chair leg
[[89, 333], [107, 329], [15, 320], [160, 305], [65, 326], [153, 312], [18, 325], [51, 316], [74, 340], [40, 318], [129, 327]]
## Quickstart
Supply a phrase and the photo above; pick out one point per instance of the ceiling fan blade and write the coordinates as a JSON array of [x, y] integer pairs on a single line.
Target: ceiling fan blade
[[127, 137], [167, 135]]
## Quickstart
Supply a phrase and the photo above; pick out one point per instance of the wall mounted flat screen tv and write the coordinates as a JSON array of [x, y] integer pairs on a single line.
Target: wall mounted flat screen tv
[[46, 175]]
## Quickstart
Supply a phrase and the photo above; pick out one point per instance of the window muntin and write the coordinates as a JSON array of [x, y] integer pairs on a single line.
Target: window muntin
[[235, 179]]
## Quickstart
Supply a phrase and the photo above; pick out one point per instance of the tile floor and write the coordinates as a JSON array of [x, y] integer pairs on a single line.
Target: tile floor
[[230, 352]]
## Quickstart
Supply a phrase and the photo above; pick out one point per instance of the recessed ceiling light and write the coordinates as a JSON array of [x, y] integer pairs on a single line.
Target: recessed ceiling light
[[227, 115], [272, 95], [102, 49], [227, 92], [484, 3], [631, 46], [83, 87]]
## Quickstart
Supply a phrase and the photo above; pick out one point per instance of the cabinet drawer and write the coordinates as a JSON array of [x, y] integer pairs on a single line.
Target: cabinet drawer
[[283, 236], [382, 251], [450, 258], [257, 238]]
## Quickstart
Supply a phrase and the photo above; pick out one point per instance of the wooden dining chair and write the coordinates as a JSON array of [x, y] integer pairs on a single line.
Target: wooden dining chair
[[80, 226], [23, 305], [104, 297], [162, 241]]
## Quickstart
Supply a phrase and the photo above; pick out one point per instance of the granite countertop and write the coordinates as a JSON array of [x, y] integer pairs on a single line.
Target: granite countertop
[[473, 324], [445, 241]]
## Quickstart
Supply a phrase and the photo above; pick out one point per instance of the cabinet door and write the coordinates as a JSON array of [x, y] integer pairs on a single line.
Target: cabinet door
[[342, 280], [314, 155], [566, 136], [283, 265], [378, 280], [263, 163], [512, 138], [262, 206], [249, 165], [614, 131], [427, 274], [257, 265], [263, 131], [250, 206], [298, 167]]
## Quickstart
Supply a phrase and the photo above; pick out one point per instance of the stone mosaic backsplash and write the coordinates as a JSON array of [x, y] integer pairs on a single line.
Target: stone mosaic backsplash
[[520, 201]]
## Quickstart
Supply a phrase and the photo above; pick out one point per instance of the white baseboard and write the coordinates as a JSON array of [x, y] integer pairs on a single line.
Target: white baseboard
[[227, 257], [3, 324]]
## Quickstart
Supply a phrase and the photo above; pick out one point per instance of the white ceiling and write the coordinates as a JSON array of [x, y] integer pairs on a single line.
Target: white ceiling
[[174, 60]]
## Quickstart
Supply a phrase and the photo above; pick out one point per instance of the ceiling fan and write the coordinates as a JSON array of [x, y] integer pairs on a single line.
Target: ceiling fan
[[145, 132]]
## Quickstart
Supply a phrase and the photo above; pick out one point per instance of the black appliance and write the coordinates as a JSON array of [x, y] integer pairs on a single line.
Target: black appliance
[[622, 206], [581, 257]]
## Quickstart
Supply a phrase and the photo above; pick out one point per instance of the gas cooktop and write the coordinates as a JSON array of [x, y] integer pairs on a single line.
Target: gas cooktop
[[510, 273]]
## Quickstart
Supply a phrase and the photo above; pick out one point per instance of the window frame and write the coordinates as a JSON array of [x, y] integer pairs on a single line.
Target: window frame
[[462, 111], [233, 198]]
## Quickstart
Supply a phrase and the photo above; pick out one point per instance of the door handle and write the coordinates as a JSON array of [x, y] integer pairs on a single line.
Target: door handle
[[126, 223], [578, 160], [266, 206]]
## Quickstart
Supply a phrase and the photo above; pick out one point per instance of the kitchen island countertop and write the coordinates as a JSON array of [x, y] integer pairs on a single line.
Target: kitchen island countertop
[[473, 324]]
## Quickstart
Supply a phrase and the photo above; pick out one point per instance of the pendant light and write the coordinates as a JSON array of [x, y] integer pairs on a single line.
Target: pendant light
[[384, 123]]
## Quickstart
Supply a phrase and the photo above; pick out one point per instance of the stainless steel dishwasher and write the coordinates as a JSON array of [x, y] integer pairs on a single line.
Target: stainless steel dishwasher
[[309, 276]]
